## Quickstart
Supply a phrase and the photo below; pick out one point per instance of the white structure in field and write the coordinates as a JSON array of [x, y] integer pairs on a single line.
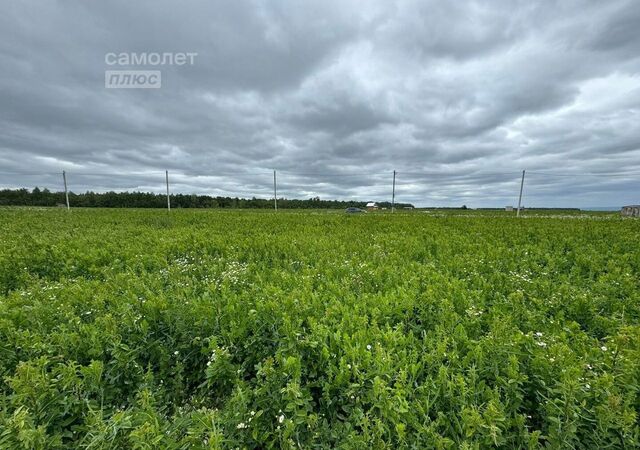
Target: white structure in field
[[371, 206], [630, 211]]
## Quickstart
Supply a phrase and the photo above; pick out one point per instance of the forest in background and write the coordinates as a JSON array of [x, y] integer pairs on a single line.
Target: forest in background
[[44, 197]]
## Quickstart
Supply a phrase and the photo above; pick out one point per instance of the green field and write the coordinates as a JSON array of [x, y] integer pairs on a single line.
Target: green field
[[238, 329]]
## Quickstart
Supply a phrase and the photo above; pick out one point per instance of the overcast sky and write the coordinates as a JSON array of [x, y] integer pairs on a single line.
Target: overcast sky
[[458, 97]]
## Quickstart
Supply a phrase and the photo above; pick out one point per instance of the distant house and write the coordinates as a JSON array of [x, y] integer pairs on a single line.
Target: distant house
[[371, 206], [630, 211], [508, 208]]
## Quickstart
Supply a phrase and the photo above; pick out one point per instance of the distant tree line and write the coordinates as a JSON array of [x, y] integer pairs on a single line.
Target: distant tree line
[[537, 208], [44, 197]]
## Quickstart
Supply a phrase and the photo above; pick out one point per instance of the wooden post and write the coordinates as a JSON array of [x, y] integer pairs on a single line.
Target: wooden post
[[393, 193], [275, 192], [168, 197], [66, 192], [520, 198]]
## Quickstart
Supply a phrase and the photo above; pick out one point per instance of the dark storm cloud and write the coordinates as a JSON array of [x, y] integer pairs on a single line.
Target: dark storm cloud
[[458, 97]]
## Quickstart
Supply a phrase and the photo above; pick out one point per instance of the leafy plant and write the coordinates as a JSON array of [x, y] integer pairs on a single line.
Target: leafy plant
[[236, 329]]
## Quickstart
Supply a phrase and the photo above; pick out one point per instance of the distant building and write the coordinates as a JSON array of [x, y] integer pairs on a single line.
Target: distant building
[[630, 211], [508, 208], [371, 206], [408, 207]]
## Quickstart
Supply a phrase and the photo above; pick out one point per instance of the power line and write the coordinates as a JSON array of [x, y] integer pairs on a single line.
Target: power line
[[464, 173], [317, 181], [599, 174], [334, 175], [28, 174], [265, 173]]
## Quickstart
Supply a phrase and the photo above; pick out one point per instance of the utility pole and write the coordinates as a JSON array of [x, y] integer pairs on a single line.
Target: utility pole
[[166, 172], [520, 198], [393, 193], [275, 191], [66, 192]]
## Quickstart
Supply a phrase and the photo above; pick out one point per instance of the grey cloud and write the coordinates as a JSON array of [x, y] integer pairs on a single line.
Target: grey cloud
[[457, 97]]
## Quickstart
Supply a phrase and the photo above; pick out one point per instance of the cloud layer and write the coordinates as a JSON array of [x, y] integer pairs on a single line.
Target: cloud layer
[[458, 97]]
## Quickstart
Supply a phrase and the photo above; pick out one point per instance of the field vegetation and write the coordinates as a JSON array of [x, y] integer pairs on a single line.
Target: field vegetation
[[246, 329]]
